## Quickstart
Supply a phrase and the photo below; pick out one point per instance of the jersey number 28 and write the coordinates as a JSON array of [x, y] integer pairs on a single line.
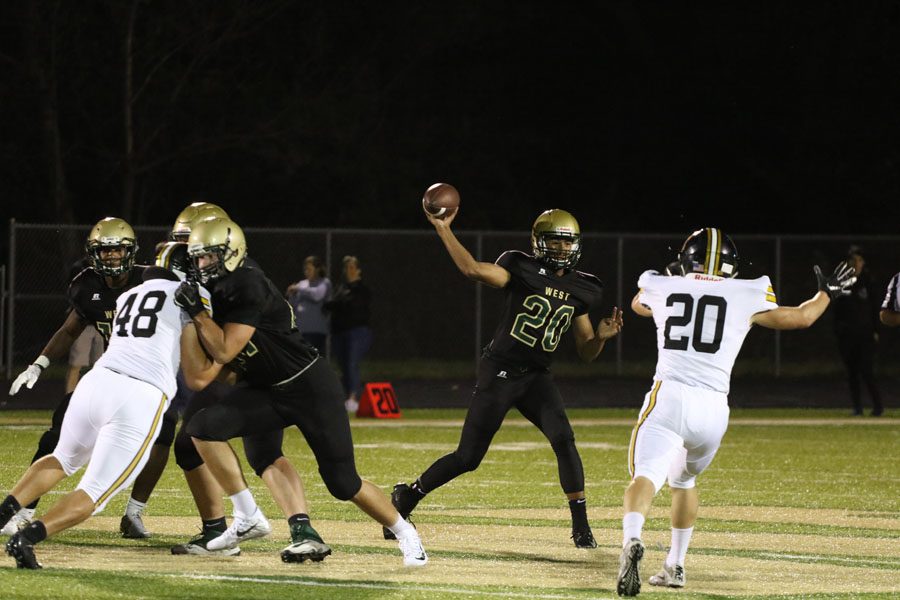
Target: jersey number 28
[[696, 340], [145, 318]]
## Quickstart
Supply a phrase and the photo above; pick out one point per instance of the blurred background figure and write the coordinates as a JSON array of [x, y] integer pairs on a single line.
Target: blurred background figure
[[308, 297], [351, 336], [856, 327]]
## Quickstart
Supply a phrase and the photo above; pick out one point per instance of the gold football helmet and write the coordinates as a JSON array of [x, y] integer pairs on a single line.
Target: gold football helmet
[[111, 232], [556, 224], [222, 238], [193, 214]]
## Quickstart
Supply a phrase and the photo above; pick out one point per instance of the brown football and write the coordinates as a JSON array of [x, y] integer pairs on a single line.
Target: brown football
[[440, 199]]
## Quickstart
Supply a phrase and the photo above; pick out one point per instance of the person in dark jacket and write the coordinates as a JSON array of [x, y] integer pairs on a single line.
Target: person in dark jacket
[[351, 336], [855, 324]]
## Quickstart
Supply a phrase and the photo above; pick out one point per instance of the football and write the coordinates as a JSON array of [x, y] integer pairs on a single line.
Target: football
[[440, 199]]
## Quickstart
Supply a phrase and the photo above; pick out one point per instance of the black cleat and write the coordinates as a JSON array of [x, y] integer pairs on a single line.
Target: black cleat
[[584, 538], [306, 544], [23, 551], [404, 499]]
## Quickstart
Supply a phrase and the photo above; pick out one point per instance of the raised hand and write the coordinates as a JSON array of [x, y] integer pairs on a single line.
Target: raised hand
[[840, 281], [611, 325], [187, 296]]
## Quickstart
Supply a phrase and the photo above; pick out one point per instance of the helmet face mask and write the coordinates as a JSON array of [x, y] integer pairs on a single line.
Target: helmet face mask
[[556, 239], [221, 243], [709, 251], [191, 215], [108, 234]]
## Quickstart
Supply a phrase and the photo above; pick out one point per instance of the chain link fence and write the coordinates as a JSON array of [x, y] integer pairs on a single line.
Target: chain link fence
[[429, 320]]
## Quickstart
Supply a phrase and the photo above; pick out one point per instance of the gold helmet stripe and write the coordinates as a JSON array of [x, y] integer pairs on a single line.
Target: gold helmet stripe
[[718, 257]]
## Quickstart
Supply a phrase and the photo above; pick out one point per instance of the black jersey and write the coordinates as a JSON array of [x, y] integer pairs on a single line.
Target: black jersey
[[95, 302], [276, 351], [540, 307]]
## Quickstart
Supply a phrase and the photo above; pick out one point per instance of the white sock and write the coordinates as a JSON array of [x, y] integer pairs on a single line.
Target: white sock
[[680, 540], [632, 524], [244, 504], [134, 508], [26, 513], [401, 527]]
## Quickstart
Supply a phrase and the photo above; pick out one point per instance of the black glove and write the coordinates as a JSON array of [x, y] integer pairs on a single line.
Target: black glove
[[839, 283], [187, 296]]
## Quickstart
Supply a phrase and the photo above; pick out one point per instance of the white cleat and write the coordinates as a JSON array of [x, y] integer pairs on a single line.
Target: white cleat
[[670, 576], [18, 521], [241, 530], [413, 551], [629, 580]]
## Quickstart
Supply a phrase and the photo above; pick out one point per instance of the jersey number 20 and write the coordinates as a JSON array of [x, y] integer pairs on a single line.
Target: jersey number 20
[[539, 311], [686, 300], [145, 319]]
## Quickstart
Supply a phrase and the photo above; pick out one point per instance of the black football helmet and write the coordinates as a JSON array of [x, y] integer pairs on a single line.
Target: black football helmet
[[709, 251]]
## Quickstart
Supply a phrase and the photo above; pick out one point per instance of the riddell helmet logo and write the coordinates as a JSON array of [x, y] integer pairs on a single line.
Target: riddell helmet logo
[[564, 229]]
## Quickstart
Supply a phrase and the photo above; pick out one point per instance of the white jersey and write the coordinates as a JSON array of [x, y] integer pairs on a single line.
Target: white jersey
[[892, 297], [701, 323], [145, 343]]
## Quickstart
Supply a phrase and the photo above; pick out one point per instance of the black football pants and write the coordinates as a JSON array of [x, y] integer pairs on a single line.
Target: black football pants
[[497, 390], [314, 402]]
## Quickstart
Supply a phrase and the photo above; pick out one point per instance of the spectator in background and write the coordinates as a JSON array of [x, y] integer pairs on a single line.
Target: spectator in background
[[890, 308], [351, 335], [855, 324], [307, 297]]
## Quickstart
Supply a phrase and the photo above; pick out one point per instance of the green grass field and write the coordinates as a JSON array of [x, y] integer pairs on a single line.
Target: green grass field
[[797, 504]]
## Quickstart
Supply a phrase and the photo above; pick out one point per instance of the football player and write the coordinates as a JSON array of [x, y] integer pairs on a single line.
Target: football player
[[284, 383], [114, 414], [111, 248], [263, 450], [702, 313], [545, 296], [890, 308]]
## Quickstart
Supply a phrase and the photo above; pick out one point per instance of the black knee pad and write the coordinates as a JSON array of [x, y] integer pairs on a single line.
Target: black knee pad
[[167, 431], [186, 455], [210, 425], [341, 479], [263, 449]]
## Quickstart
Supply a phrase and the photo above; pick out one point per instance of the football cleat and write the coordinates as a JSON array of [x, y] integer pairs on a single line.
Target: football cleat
[[197, 546], [23, 552], [672, 577], [306, 544], [132, 527], [240, 530], [404, 499], [18, 521], [584, 538], [629, 580], [412, 549]]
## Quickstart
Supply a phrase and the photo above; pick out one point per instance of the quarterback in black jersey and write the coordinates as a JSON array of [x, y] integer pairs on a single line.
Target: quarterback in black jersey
[[545, 296], [111, 248], [253, 332]]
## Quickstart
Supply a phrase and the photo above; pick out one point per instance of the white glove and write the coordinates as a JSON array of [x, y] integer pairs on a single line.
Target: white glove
[[30, 375]]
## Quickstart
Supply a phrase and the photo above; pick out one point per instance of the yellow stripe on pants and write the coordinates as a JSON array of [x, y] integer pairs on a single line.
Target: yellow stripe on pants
[[640, 422], [151, 435]]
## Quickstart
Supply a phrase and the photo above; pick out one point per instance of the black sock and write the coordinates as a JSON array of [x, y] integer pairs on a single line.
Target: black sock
[[298, 519], [417, 487], [8, 508], [34, 532], [215, 525], [34, 504], [579, 513]]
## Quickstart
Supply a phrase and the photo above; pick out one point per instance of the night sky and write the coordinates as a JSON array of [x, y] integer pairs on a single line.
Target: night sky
[[755, 117]]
